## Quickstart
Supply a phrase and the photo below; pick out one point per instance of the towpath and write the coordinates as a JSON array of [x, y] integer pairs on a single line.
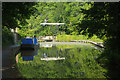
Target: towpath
[[9, 69]]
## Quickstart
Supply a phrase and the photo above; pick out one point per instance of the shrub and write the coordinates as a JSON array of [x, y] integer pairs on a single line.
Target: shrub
[[7, 37]]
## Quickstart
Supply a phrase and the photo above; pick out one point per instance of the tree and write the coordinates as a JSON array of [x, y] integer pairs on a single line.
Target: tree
[[15, 13], [54, 12], [103, 19]]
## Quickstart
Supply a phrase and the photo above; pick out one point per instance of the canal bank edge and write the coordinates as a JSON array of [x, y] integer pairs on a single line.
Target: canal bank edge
[[9, 68], [87, 41]]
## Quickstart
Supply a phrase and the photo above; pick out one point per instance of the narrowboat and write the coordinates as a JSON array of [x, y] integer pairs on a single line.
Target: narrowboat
[[28, 44]]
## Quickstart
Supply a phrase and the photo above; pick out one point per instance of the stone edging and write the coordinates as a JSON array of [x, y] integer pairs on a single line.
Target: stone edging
[[87, 41]]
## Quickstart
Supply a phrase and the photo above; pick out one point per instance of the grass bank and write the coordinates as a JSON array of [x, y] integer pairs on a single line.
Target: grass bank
[[68, 38]]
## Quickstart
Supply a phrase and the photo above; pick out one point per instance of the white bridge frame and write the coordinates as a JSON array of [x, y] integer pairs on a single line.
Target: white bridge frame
[[52, 23], [56, 24]]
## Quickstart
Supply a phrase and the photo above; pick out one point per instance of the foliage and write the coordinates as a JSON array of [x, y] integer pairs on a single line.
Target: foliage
[[68, 38], [7, 37], [100, 19], [14, 14], [55, 12], [80, 62], [103, 20], [110, 58]]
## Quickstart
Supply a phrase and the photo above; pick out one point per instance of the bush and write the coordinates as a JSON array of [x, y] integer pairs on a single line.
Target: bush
[[110, 58], [7, 37]]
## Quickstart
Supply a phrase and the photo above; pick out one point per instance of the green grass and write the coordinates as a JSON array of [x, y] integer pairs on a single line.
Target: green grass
[[68, 38]]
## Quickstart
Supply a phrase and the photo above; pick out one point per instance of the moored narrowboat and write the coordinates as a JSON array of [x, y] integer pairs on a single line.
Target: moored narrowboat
[[28, 44]]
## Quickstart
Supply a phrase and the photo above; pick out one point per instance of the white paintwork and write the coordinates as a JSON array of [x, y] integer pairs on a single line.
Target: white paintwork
[[45, 45], [46, 37], [53, 58], [15, 34], [52, 23]]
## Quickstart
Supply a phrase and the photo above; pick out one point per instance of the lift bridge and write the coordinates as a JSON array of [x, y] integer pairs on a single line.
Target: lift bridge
[[51, 38]]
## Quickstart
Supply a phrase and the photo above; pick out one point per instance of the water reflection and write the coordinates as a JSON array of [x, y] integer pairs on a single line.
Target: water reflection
[[46, 45], [36, 52], [61, 61], [51, 53], [28, 55], [27, 58], [97, 48], [53, 58]]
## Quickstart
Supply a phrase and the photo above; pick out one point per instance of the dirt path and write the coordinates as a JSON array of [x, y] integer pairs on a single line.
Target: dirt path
[[9, 69]]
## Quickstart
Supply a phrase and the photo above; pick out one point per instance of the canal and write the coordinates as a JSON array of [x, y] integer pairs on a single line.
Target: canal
[[61, 60]]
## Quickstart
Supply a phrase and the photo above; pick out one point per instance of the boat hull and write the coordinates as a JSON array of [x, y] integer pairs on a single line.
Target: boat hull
[[27, 46]]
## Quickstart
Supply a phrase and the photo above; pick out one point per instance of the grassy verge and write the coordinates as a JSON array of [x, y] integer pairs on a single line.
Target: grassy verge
[[68, 38]]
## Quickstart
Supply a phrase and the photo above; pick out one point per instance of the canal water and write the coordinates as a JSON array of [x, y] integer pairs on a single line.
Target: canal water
[[61, 60]]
